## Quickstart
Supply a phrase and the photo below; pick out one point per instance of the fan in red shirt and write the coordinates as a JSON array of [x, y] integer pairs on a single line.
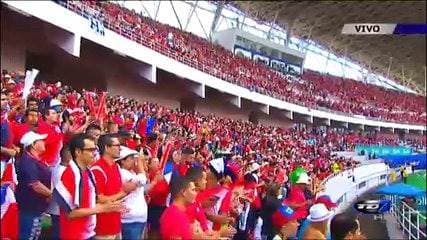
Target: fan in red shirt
[[158, 195], [30, 123], [50, 126], [183, 192], [205, 199], [296, 198], [75, 193], [109, 186]]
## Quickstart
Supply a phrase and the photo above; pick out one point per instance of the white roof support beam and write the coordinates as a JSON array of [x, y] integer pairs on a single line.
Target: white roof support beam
[[217, 16], [193, 8], [176, 15]]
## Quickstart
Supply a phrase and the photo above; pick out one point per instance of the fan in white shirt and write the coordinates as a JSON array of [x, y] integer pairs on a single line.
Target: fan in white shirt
[[132, 169]]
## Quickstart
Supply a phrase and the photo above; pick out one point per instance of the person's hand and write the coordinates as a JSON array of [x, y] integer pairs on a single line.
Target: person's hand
[[116, 206], [38, 187], [129, 187], [13, 152], [210, 234], [227, 232], [231, 221], [17, 149]]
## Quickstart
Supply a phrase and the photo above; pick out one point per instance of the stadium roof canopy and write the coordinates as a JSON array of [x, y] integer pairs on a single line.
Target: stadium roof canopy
[[402, 57]]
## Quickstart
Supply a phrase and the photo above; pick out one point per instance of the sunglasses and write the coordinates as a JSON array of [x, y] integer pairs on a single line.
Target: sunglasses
[[89, 149]]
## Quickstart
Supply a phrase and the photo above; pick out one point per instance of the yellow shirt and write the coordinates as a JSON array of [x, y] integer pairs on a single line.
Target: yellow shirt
[[393, 176]]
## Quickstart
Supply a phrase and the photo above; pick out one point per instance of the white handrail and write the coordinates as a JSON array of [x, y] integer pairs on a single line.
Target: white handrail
[[404, 215]]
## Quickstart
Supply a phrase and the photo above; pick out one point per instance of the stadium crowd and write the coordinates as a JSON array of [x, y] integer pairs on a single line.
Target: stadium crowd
[[108, 166], [312, 89]]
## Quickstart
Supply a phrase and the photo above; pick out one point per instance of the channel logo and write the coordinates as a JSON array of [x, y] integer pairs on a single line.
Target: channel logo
[[373, 206]]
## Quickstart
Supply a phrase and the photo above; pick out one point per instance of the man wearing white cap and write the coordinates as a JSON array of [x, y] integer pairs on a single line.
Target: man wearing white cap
[[33, 192], [296, 196], [319, 218], [50, 126], [132, 169]]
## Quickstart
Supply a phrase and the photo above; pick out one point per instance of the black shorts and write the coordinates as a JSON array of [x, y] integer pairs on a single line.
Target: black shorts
[[154, 214]]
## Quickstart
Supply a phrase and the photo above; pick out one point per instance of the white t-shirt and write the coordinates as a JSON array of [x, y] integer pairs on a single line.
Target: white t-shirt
[[135, 201]]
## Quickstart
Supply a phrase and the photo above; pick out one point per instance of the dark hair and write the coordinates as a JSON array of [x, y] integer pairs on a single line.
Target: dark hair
[[272, 190], [105, 140], [5, 91], [27, 112], [32, 99], [151, 138], [179, 184], [194, 173], [94, 127], [342, 224], [187, 150], [66, 116], [63, 153], [46, 112], [77, 142]]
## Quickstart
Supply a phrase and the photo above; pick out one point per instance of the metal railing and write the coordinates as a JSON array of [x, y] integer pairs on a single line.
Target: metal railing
[[408, 219]]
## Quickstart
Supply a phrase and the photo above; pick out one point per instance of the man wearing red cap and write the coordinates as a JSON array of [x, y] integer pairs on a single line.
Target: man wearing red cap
[[285, 222]]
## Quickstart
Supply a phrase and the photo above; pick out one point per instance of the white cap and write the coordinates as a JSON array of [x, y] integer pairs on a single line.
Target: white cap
[[125, 152], [303, 178], [7, 76], [55, 102], [319, 213], [254, 166], [30, 137]]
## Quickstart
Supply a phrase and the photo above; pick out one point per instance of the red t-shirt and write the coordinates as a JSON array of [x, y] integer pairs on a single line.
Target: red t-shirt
[[174, 224], [53, 142], [18, 130], [296, 195], [108, 182], [159, 193], [196, 212], [83, 227]]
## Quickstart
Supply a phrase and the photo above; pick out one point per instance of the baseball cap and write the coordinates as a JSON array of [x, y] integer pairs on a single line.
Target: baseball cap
[[303, 178], [125, 152], [30, 137], [55, 104], [283, 215]]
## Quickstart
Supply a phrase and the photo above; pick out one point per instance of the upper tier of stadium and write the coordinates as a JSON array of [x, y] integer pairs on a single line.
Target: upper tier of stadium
[[311, 89]]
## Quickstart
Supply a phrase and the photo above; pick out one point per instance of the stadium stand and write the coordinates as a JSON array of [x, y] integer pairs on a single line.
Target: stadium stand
[[81, 163], [349, 96]]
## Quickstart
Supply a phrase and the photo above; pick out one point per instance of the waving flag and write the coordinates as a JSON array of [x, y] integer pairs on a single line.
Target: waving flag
[[100, 113], [167, 171], [30, 76], [142, 127], [9, 174], [166, 153], [89, 102], [165, 165], [9, 213], [150, 125]]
